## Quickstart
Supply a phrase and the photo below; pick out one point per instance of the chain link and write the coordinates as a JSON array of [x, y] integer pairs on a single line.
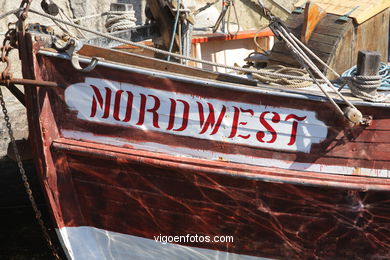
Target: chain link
[[37, 212], [10, 42]]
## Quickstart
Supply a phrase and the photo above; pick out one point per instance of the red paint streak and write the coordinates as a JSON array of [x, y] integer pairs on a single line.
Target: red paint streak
[[129, 106], [210, 119], [275, 119], [236, 122], [294, 128], [117, 104], [153, 110], [99, 98]]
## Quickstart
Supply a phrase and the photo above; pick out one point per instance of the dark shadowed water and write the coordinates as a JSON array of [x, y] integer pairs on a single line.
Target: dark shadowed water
[[20, 236]]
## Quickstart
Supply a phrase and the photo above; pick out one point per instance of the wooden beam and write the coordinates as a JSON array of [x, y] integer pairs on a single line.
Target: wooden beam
[[164, 20], [368, 63]]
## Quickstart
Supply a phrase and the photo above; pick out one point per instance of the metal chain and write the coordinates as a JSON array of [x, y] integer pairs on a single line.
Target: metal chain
[[38, 214], [8, 43]]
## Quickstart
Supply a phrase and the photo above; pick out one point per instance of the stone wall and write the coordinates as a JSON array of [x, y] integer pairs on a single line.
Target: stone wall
[[73, 9]]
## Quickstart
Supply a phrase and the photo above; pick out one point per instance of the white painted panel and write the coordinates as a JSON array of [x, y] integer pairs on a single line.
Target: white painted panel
[[257, 125]]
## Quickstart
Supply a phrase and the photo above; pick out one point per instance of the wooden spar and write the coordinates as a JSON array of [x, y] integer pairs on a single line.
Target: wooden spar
[[313, 15], [164, 20]]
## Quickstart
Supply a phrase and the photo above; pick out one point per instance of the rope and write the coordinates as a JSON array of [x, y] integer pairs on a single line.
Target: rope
[[120, 20], [292, 43], [231, 3], [257, 44], [174, 28], [305, 62], [11, 12], [384, 72], [284, 82], [365, 87], [173, 54], [208, 5]]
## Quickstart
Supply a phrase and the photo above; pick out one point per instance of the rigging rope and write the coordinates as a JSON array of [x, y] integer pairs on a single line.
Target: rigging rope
[[139, 45], [11, 12], [231, 5], [208, 5], [174, 28], [283, 82], [354, 115]]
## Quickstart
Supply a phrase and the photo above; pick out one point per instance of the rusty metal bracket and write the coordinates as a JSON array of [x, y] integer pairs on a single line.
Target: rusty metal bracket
[[71, 47], [32, 83], [23, 14], [11, 82]]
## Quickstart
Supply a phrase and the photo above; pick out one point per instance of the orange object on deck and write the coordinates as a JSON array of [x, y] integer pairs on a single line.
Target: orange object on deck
[[313, 14]]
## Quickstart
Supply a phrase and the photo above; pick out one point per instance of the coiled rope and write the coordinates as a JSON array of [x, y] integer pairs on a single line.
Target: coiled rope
[[284, 82], [384, 73], [120, 20], [365, 87]]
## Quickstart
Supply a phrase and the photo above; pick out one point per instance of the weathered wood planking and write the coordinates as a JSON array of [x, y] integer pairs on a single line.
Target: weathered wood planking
[[340, 40], [142, 61], [313, 14], [323, 42], [365, 10]]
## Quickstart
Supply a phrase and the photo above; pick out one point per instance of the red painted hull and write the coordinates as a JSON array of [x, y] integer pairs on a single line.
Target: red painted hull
[[142, 181]]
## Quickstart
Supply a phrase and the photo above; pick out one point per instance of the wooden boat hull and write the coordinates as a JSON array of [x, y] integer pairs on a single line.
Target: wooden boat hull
[[128, 155]]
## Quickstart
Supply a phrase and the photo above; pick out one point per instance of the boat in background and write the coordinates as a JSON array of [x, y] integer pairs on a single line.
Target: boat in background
[[142, 158]]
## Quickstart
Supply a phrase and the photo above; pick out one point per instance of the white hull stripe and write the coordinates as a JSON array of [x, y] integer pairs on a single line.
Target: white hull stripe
[[92, 243], [208, 155]]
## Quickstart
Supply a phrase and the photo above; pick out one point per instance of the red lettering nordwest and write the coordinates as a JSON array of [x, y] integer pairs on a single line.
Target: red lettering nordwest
[[98, 96], [172, 114], [275, 119], [151, 110], [236, 122], [207, 121], [210, 121], [293, 134], [117, 105]]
